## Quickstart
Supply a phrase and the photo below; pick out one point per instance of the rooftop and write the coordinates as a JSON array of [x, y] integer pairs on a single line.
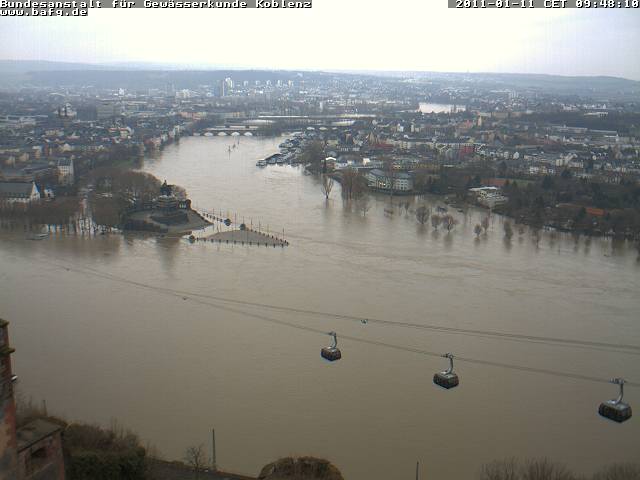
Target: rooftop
[[21, 189], [35, 431]]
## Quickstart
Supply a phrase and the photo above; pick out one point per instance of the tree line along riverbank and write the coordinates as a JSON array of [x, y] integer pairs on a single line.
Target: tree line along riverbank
[[562, 201]]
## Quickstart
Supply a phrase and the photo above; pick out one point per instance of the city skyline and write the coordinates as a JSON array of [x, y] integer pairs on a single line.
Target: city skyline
[[340, 37]]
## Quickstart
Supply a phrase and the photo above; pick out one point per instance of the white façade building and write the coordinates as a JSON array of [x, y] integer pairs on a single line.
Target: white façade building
[[402, 182], [65, 171], [488, 196], [19, 192]]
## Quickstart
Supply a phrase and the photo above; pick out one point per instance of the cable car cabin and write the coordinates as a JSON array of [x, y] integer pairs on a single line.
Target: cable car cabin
[[332, 352], [616, 409], [618, 412], [447, 379]]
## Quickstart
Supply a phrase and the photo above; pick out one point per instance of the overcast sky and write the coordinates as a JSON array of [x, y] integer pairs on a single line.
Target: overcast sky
[[342, 34]]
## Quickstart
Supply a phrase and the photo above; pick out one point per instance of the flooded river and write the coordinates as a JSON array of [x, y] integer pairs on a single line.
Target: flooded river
[[166, 337]]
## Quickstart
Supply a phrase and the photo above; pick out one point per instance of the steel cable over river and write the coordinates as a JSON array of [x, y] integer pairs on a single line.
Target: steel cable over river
[[198, 298]]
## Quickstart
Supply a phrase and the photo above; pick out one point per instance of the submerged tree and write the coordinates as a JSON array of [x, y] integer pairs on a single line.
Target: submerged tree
[[477, 230], [508, 230], [363, 204], [353, 183], [485, 223], [435, 221], [107, 211], [327, 186], [422, 214], [449, 222]]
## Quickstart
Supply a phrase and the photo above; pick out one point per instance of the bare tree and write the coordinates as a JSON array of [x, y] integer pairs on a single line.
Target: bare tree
[[508, 230], [619, 471], [353, 183], [107, 211], [485, 223], [435, 221], [477, 230], [363, 204], [422, 214], [327, 186], [195, 457], [348, 177], [545, 469], [535, 235], [139, 186], [500, 470], [359, 186], [449, 222], [535, 469]]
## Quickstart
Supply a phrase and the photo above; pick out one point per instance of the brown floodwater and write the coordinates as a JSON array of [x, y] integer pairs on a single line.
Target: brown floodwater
[[135, 329]]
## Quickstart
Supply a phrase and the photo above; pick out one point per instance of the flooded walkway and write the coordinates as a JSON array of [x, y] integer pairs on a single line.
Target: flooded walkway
[[245, 237]]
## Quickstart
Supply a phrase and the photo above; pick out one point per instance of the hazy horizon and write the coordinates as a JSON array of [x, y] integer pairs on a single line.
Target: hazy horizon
[[335, 36], [150, 66]]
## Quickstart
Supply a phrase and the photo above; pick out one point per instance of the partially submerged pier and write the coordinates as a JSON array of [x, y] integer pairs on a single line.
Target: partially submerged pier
[[245, 237], [242, 235]]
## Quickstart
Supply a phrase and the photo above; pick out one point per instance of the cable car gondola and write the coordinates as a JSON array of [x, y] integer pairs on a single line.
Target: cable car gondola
[[332, 352], [447, 379], [616, 409]]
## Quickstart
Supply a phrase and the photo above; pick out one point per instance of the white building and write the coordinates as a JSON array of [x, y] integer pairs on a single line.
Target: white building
[[65, 171], [488, 196], [402, 182]]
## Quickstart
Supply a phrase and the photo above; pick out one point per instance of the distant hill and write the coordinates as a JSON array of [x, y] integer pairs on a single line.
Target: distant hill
[[139, 80], [16, 73], [587, 86], [140, 76], [25, 66], [132, 76], [560, 82]]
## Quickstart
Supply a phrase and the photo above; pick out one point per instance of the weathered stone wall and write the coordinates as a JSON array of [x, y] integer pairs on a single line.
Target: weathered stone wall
[[51, 468], [8, 441]]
